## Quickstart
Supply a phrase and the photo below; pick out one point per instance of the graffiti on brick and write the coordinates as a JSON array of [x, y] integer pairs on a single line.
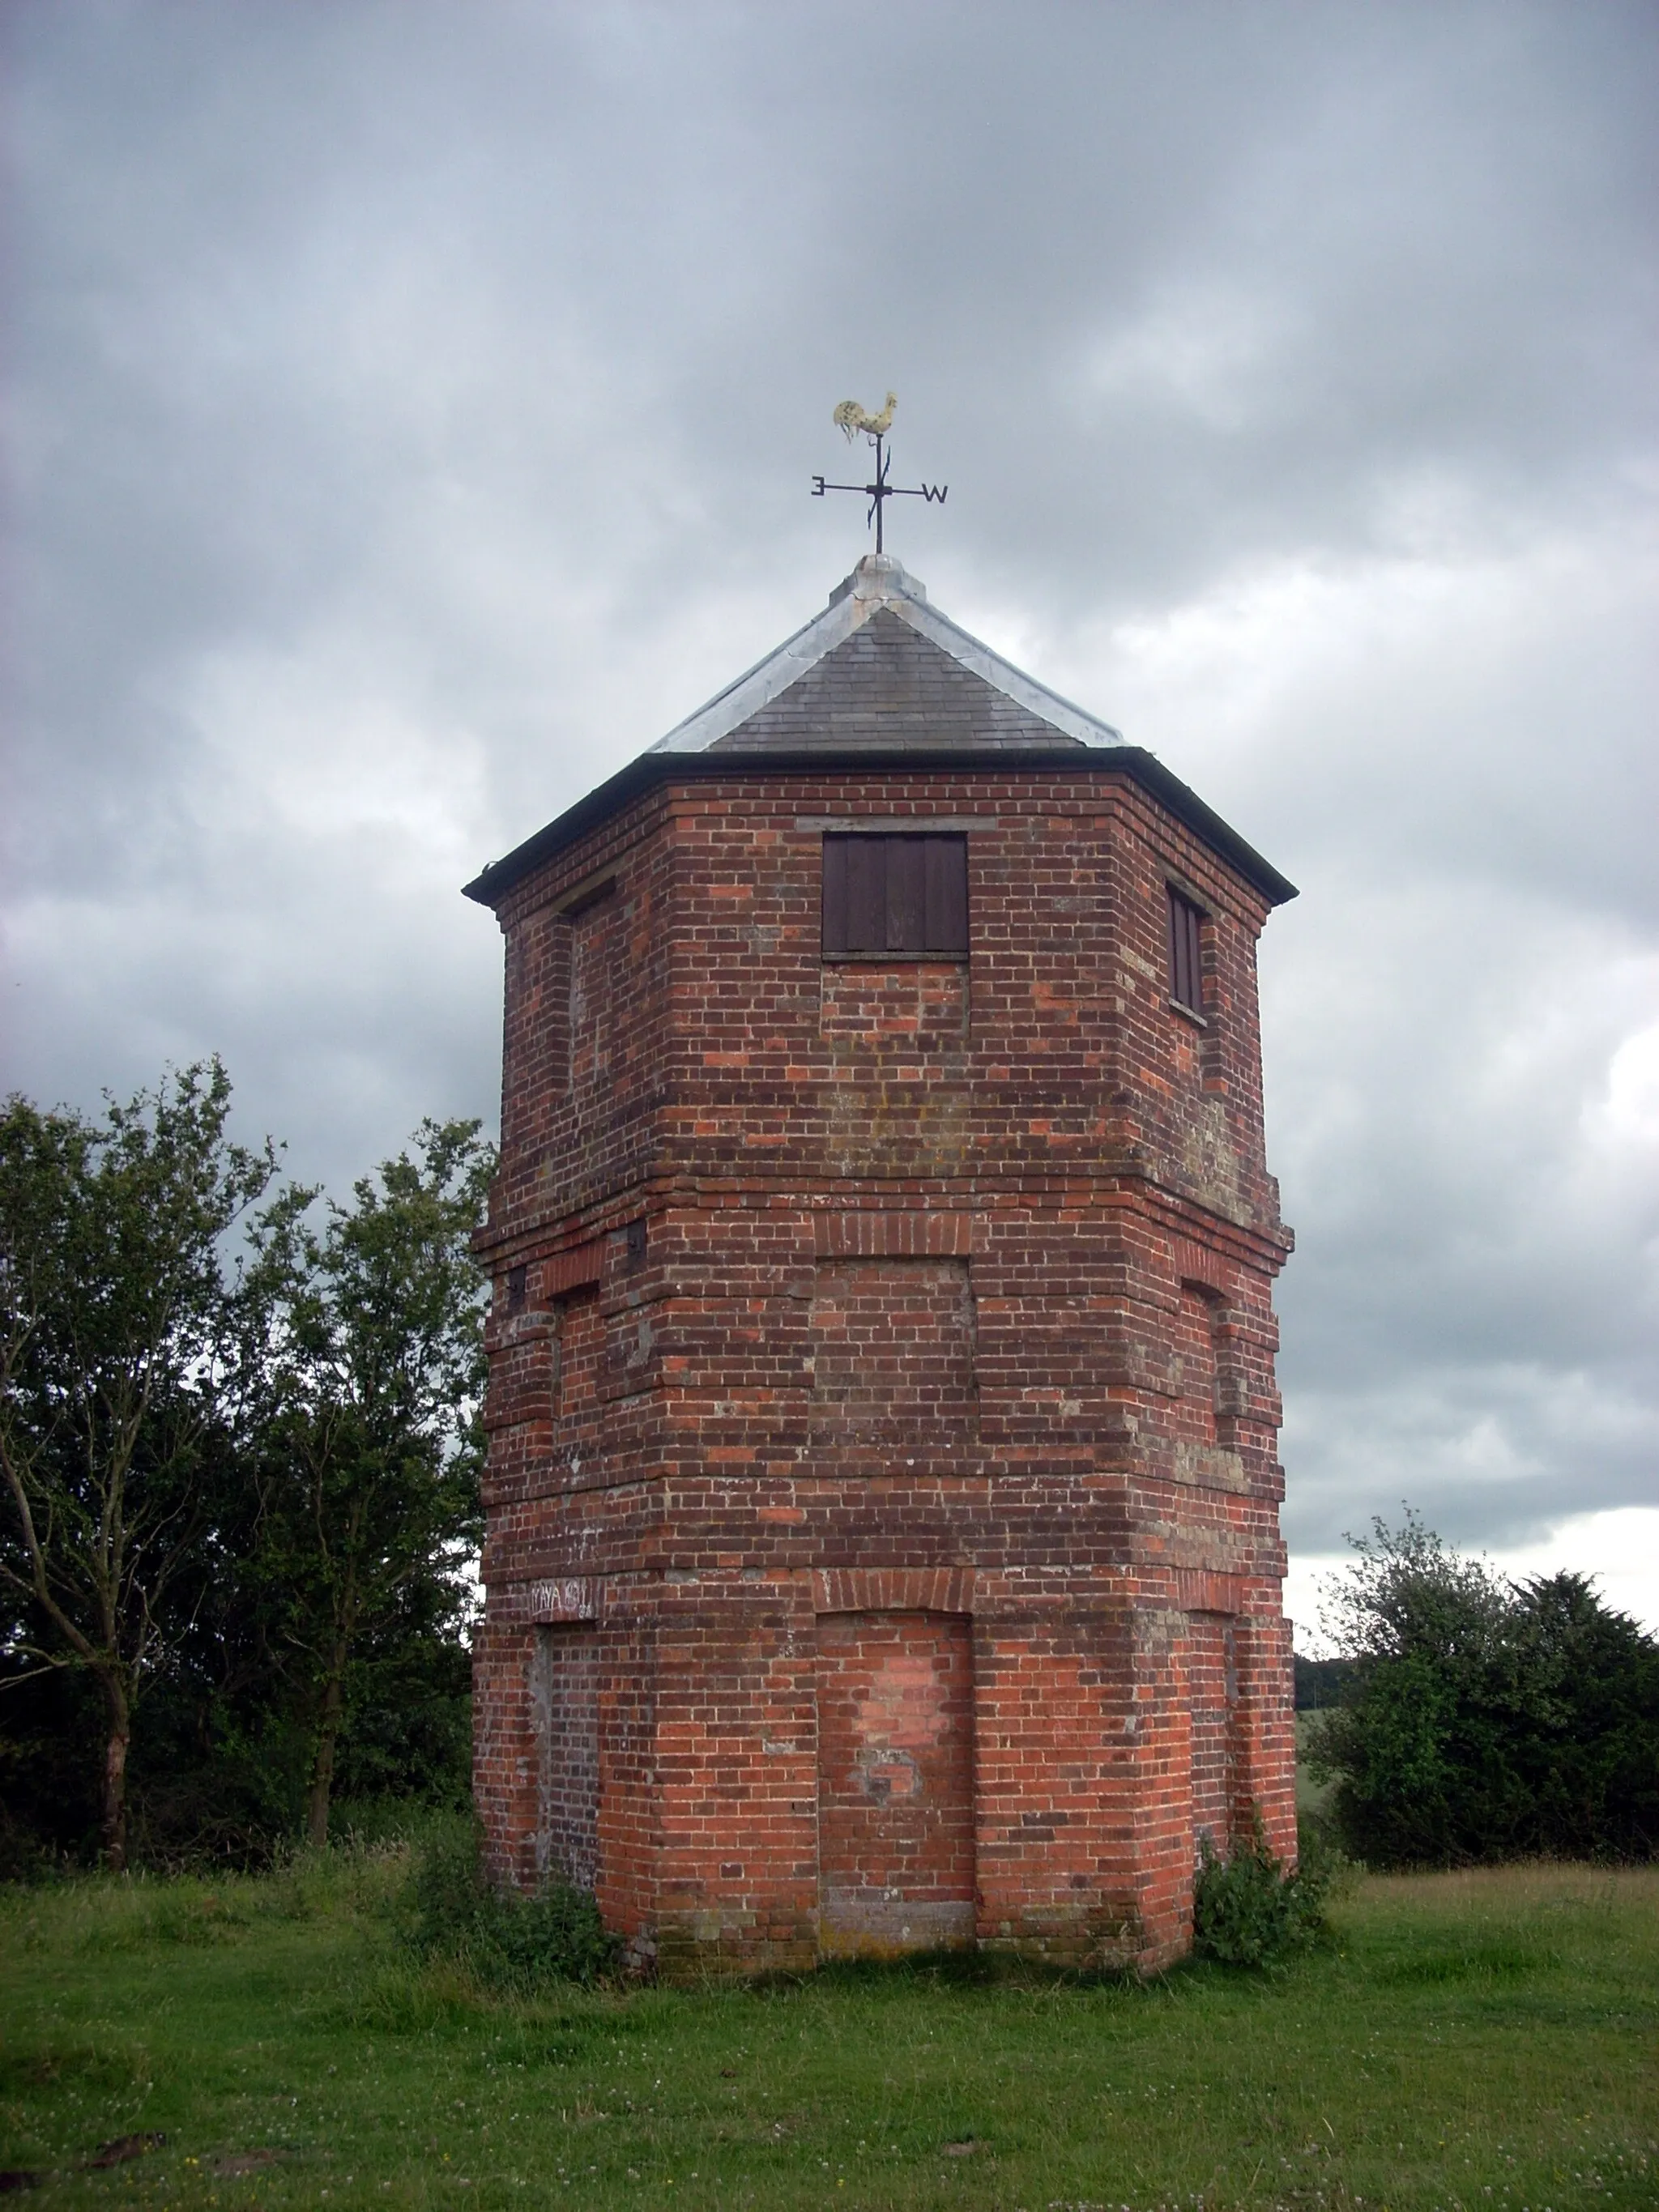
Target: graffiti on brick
[[573, 1598]]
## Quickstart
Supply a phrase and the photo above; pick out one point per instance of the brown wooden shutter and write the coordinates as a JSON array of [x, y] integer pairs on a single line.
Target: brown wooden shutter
[[866, 894], [1186, 952], [895, 895], [947, 860], [907, 894]]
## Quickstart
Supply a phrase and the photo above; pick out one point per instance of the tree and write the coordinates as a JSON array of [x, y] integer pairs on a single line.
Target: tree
[[118, 1332], [1485, 1719], [1588, 1750], [369, 1445]]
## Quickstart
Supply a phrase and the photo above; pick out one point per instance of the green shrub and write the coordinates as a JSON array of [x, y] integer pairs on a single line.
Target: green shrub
[[1247, 1912], [504, 1939], [1483, 1719]]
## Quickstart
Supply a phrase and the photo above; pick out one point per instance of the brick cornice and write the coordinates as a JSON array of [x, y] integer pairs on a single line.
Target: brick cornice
[[649, 775]]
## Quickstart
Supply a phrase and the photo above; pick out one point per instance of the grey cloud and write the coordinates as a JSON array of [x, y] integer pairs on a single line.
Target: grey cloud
[[410, 412]]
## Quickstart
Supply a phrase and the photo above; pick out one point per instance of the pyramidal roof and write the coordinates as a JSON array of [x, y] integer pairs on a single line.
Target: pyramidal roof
[[881, 671]]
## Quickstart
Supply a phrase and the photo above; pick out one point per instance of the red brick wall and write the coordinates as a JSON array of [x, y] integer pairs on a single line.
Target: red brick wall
[[951, 1271], [892, 1356]]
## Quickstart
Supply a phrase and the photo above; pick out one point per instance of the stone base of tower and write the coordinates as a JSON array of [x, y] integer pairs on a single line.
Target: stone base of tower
[[757, 1772]]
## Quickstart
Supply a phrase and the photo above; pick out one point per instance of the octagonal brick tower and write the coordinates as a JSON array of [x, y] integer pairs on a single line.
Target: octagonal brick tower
[[883, 1504]]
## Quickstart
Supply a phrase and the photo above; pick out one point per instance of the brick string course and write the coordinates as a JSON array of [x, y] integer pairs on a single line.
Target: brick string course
[[883, 1505]]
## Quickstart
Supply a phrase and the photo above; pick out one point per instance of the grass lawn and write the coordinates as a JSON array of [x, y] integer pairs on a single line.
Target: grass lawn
[[1471, 2041]]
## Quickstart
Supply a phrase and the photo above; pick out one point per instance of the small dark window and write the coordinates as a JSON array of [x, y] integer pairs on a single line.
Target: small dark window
[[1186, 952], [517, 1279], [637, 1242], [895, 897]]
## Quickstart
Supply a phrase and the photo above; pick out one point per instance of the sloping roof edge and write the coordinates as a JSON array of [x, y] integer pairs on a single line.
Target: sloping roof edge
[[878, 581], [650, 768]]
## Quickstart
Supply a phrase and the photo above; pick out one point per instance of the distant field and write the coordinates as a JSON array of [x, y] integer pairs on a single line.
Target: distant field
[[1472, 2042], [1310, 1795]]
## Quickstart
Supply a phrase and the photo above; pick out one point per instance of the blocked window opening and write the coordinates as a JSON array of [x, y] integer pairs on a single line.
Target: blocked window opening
[[577, 1352], [1197, 1333], [896, 1780], [594, 928], [892, 1352], [565, 1698], [895, 897], [1212, 1706]]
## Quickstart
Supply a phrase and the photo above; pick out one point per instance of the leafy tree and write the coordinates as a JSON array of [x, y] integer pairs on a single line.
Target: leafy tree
[[219, 1753], [369, 1445], [1485, 1719], [51, 1727], [118, 1332], [1408, 1592], [1588, 1750]]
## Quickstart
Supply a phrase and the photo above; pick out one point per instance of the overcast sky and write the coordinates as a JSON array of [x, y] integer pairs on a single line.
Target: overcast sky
[[411, 411]]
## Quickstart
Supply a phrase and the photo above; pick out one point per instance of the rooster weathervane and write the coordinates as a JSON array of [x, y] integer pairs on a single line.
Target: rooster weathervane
[[852, 419]]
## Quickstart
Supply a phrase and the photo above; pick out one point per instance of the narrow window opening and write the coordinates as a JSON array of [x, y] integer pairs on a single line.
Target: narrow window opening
[[592, 957], [1186, 953], [1198, 1323]]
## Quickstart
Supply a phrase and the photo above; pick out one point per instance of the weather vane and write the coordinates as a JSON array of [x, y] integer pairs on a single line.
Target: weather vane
[[851, 418]]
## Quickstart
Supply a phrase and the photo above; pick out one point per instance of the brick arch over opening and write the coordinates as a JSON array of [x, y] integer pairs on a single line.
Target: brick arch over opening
[[893, 1589]]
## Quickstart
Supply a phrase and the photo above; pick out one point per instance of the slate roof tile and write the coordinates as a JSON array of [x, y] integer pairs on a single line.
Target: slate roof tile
[[887, 689]]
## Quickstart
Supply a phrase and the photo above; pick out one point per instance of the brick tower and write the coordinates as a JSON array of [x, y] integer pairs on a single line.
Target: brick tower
[[883, 1504]]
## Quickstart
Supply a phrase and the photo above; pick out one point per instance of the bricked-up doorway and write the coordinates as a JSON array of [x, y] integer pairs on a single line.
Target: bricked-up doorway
[[896, 1780], [565, 1692]]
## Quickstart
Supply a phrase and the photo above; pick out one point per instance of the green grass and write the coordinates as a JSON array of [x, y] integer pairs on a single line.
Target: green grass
[[1474, 2041]]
